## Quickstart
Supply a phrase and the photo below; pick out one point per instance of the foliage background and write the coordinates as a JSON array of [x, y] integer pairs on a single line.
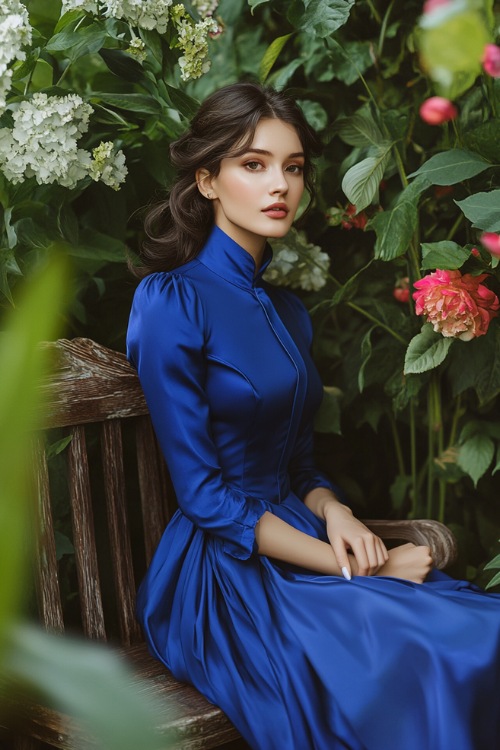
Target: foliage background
[[420, 442]]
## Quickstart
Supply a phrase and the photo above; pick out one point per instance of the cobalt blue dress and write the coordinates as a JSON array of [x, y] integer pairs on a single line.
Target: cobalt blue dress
[[297, 660]]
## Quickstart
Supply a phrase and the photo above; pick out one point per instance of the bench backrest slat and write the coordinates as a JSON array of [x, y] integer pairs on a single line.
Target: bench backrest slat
[[84, 537], [151, 485], [118, 527], [48, 593]]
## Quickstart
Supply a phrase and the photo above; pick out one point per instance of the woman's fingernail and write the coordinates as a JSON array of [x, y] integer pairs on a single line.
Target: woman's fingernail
[[346, 573]]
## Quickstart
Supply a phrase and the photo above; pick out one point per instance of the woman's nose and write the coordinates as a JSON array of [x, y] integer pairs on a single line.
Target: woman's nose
[[278, 183]]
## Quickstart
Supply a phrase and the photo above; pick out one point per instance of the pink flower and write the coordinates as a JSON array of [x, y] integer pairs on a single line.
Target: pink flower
[[491, 242], [437, 110], [491, 60], [351, 219], [475, 252], [401, 291], [456, 305], [431, 5]]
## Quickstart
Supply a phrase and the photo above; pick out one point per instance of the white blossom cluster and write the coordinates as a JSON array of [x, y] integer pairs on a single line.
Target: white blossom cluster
[[15, 32], [205, 7], [297, 264], [90, 6], [146, 14], [193, 40], [43, 144], [108, 166]]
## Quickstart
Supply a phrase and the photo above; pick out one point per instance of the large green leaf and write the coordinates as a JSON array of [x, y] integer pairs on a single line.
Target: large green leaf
[[21, 366], [328, 416], [319, 17], [483, 210], [358, 130], [450, 167], [394, 229], [271, 55], [487, 380], [426, 351], [445, 255], [484, 139], [89, 682], [361, 182], [475, 456], [76, 44], [131, 102]]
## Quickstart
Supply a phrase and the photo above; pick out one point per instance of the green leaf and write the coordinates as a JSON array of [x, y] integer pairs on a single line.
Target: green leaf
[[359, 130], [347, 61], [361, 182], [314, 113], [58, 446], [366, 353], [271, 55], [89, 682], [131, 102], [450, 167], [426, 351], [445, 255], [185, 104], [494, 581], [475, 455], [483, 210], [484, 139], [123, 65], [394, 229], [493, 564], [21, 366], [76, 44], [487, 380], [254, 3], [327, 419], [320, 17], [497, 463], [399, 490]]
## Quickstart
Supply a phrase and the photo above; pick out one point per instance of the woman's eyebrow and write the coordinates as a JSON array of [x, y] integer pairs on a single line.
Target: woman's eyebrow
[[269, 153]]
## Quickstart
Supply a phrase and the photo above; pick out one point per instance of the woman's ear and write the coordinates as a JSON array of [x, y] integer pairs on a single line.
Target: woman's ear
[[204, 182]]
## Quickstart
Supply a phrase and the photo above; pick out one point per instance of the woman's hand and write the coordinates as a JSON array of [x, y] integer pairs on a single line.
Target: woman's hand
[[345, 533], [409, 562]]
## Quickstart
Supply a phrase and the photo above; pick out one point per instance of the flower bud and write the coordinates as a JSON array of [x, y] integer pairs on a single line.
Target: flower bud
[[437, 110], [401, 291], [475, 252], [431, 5], [491, 242], [491, 60]]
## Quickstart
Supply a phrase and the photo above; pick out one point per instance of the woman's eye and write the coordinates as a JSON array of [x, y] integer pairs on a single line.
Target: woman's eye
[[295, 168], [253, 165]]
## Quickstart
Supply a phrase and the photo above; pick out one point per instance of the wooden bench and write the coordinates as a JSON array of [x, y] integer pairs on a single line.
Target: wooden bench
[[113, 462]]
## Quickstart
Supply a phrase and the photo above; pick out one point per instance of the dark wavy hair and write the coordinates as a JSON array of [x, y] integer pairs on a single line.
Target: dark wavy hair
[[224, 126]]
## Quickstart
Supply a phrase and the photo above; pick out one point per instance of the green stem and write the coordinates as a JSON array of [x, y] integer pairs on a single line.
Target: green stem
[[63, 75], [454, 425], [383, 29], [413, 459], [397, 446], [438, 416], [374, 11], [455, 226], [491, 94], [430, 447], [377, 322]]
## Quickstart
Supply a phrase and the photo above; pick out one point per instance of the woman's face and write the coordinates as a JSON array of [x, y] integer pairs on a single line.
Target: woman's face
[[256, 195]]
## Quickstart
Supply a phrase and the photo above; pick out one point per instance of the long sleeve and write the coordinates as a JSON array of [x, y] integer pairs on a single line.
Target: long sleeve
[[165, 342]]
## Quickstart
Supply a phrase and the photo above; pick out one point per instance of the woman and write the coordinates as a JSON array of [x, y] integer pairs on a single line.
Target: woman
[[265, 592]]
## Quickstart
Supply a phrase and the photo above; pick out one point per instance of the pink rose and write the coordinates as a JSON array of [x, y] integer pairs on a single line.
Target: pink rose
[[456, 305], [491, 242], [437, 110], [491, 60]]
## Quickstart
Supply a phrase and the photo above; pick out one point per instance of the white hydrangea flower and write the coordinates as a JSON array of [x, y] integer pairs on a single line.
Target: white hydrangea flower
[[137, 49], [194, 43], [205, 7], [146, 14], [15, 32], [297, 263], [43, 141], [107, 166], [90, 6]]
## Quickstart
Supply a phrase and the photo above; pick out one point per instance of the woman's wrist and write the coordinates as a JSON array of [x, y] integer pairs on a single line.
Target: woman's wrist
[[323, 502]]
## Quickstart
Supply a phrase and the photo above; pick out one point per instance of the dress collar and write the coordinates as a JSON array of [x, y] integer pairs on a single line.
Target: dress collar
[[228, 259]]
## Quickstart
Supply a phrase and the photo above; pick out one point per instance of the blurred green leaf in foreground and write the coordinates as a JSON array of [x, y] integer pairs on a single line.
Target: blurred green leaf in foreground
[[84, 680]]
